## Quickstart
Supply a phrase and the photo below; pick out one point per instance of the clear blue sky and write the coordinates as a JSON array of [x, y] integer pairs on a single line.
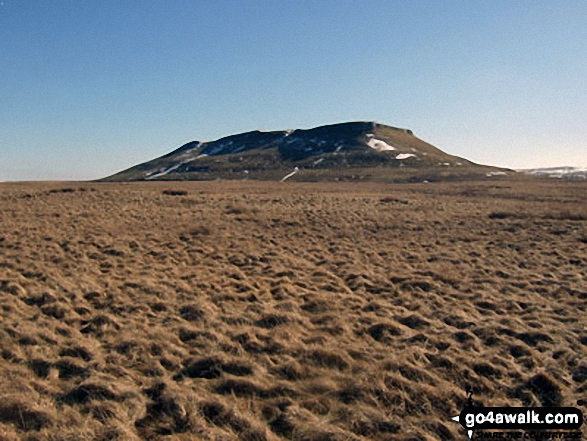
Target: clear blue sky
[[90, 87]]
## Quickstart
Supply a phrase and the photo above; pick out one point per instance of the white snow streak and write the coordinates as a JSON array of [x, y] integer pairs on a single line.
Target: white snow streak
[[291, 174], [169, 170]]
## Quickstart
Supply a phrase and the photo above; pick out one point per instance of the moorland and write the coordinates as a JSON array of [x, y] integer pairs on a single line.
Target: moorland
[[299, 311]]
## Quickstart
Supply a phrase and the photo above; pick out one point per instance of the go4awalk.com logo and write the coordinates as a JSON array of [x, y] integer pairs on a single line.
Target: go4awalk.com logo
[[539, 423], [535, 423]]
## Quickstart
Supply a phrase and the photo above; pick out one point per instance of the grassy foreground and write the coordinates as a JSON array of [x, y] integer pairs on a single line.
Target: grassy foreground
[[269, 311]]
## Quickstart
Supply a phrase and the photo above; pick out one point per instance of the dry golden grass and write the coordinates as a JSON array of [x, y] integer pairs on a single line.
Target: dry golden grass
[[267, 311]]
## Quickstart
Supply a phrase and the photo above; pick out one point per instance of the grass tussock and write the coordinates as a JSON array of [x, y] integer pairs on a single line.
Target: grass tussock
[[249, 311], [175, 192], [23, 415]]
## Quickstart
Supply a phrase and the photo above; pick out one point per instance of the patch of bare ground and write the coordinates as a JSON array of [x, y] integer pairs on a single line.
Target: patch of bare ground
[[268, 311]]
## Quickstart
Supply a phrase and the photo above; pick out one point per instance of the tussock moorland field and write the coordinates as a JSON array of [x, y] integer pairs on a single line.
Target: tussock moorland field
[[268, 311]]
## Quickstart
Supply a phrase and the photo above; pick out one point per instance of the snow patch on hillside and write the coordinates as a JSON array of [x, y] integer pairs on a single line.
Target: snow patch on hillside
[[405, 156], [380, 146]]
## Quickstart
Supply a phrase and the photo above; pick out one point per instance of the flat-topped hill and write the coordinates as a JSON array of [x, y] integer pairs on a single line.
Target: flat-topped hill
[[345, 151]]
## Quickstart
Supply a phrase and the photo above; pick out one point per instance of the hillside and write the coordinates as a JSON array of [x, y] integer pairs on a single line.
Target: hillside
[[346, 151]]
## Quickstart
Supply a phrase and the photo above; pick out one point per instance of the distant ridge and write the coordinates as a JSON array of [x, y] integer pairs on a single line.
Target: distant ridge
[[557, 172], [360, 150]]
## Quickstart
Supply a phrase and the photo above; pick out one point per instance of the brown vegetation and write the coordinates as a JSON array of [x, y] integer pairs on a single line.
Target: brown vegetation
[[267, 311]]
